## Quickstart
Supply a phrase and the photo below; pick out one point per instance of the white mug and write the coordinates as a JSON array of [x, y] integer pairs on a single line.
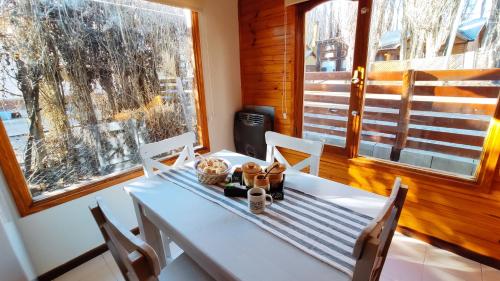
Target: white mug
[[257, 200]]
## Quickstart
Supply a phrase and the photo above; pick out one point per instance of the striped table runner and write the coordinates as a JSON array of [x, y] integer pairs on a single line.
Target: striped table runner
[[321, 228]]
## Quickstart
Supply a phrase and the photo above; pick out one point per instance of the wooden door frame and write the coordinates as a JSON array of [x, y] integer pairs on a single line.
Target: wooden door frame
[[359, 63]]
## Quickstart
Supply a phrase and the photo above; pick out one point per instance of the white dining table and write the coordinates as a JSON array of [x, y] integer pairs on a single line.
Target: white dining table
[[226, 245]]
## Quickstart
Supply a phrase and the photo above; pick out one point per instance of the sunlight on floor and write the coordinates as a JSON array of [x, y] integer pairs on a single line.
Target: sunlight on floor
[[409, 260]]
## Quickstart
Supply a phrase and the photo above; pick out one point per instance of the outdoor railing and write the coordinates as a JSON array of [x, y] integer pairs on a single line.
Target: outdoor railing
[[444, 111]]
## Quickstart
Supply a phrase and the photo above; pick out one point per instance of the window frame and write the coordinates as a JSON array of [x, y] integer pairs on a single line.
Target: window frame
[[359, 63], [482, 181], [14, 178]]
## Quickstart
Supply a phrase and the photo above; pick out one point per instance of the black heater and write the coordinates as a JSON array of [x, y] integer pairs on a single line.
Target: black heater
[[249, 130]]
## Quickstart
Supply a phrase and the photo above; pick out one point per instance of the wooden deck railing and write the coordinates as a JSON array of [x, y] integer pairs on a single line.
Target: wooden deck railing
[[438, 111]]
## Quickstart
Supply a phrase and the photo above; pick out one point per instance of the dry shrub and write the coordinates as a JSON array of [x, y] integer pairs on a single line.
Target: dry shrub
[[164, 121]]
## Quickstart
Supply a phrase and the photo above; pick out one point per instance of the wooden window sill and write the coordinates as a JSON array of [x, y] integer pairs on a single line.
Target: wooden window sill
[[414, 171], [421, 176], [413, 175]]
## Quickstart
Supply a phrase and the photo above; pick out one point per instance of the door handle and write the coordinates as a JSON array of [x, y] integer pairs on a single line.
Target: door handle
[[355, 77]]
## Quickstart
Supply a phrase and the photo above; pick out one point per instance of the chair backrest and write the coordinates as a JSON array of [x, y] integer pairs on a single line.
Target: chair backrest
[[150, 150], [135, 258], [313, 148], [371, 247]]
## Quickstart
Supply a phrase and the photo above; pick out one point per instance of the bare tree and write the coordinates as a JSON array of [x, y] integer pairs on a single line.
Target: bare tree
[[426, 26], [491, 41], [84, 65]]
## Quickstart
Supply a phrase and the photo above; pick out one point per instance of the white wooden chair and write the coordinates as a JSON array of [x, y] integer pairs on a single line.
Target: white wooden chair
[[137, 260], [150, 150], [313, 148], [372, 245]]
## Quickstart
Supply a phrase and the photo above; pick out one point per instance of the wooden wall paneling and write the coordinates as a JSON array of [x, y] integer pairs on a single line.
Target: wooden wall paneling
[[262, 57]]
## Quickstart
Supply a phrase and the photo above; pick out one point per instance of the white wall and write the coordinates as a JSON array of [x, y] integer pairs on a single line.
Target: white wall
[[10, 267], [15, 263], [221, 69], [59, 234]]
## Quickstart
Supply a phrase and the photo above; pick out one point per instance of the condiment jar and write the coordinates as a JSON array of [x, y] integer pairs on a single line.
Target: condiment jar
[[276, 174], [250, 170], [262, 181]]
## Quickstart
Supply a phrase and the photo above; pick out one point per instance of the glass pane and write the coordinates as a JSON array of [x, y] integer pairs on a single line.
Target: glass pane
[[329, 49], [433, 83], [85, 83]]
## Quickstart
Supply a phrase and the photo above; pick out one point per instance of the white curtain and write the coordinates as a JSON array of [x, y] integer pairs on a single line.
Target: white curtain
[[293, 2], [195, 5]]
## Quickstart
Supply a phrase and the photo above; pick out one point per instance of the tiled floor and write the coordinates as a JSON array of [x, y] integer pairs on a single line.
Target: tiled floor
[[408, 260]]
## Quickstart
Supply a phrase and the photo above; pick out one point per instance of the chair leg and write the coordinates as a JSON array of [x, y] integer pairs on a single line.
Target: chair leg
[[121, 266]]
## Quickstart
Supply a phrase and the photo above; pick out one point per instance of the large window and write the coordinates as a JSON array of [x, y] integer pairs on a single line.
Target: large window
[[84, 83], [434, 107], [430, 83]]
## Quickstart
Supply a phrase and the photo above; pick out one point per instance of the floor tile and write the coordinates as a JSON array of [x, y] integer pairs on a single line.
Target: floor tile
[[79, 273], [409, 248], [443, 265], [405, 260], [399, 269], [490, 273], [399, 278], [111, 264], [101, 273]]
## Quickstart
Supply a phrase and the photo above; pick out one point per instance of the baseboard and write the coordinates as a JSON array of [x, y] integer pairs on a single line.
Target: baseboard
[[459, 250], [74, 263]]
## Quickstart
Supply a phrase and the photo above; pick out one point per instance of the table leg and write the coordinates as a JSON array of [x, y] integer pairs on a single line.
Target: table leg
[[150, 233], [166, 246]]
